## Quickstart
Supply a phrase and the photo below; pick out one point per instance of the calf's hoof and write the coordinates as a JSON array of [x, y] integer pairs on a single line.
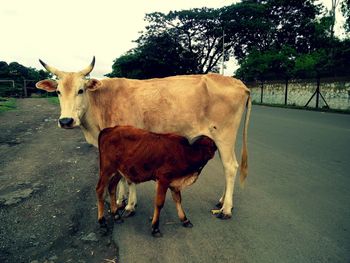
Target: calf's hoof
[[103, 223], [187, 223], [129, 213], [156, 232], [103, 226]]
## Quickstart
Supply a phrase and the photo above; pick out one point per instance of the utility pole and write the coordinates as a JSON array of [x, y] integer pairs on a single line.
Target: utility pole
[[332, 13], [223, 52]]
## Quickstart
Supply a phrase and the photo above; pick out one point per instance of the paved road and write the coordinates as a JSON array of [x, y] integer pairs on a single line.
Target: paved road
[[295, 206]]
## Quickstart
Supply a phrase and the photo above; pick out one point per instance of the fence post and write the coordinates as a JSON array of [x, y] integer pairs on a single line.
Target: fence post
[[317, 92], [286, 93], [262, 92], [25, 89]]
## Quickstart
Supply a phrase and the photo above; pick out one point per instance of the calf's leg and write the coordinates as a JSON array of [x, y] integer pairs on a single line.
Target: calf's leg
[[180, 212], [112, 187], [161, 189], [100, 190]]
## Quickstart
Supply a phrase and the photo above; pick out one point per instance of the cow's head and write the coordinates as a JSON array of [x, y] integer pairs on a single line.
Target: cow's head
[[72, 88]]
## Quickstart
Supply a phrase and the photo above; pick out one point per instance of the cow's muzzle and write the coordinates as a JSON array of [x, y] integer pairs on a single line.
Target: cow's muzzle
[[66, 123]]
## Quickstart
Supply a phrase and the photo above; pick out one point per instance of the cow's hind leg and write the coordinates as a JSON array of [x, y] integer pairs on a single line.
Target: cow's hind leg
[[180, 212], [230, 165], [161, 190]]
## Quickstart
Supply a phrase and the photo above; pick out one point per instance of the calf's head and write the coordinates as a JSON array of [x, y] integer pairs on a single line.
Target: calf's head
[[72, 88], [205, 146]]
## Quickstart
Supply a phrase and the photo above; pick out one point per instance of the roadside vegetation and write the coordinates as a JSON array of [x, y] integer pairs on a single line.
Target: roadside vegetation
[[296, 107], [53, 100], [7, 104]]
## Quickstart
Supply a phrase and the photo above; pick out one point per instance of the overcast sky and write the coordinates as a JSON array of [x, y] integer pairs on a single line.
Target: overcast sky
[[67, 33]]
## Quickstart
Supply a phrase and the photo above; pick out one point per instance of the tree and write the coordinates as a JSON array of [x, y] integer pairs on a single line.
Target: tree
[[271, 64], [311, 65], [247, 27], [266, 25], [198, 31], [156, 56], [345, 7], [18, 73]]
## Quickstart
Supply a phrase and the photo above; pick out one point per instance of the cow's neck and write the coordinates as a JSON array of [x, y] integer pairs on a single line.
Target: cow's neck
[[90, 127]]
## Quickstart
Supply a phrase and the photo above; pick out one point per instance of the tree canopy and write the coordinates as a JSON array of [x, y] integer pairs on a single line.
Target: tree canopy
[[18, 73], [273, 39], [345, 7]]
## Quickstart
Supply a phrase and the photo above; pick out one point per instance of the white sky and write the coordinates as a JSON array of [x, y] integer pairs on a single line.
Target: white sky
[[67, 33]]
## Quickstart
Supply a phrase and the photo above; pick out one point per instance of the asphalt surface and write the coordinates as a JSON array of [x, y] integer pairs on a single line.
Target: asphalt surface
[[295, 206]]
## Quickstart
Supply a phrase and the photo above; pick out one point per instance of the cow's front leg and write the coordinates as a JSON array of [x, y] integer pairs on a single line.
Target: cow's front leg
[[180, 212], [132, 201], [161, 189]]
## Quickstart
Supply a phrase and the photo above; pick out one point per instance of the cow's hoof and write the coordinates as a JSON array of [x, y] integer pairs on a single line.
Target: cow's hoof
[[187, 223], [223, 216], [121, 206], [219, 205], [129, 213], [156, 232], [215, 211]]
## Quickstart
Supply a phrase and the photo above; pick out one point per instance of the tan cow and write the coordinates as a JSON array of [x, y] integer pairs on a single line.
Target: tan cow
[[189, 105]]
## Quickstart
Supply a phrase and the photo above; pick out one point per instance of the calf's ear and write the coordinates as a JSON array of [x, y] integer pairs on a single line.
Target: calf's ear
[[194, 139], [93, 84], [47, 84]]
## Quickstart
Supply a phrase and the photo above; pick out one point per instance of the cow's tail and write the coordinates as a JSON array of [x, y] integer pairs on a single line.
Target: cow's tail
[[244, 161]]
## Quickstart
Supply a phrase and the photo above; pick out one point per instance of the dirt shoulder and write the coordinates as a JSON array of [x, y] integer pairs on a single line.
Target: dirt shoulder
[[47, 190]]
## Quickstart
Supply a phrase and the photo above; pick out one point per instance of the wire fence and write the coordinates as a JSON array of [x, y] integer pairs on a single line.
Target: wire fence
[[19, 88], [333, 93]]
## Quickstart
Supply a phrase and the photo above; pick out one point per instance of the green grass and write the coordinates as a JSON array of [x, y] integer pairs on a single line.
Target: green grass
[[7, 104], [53, 100]]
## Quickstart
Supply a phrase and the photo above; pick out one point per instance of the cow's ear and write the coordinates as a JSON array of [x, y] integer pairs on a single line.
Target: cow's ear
[[93, 84], [47, 84]]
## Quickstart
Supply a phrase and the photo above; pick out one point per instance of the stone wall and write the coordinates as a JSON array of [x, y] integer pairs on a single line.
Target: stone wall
[[335, 91]]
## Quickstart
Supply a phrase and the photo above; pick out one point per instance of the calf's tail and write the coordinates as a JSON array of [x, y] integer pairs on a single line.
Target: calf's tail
[[244, 161]]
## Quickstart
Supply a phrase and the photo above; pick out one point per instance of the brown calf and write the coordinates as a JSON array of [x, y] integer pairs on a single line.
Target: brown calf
[[141, 156]]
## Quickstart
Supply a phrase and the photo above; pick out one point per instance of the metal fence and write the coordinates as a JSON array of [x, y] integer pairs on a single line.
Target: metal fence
[[24, 88], [319, 93]]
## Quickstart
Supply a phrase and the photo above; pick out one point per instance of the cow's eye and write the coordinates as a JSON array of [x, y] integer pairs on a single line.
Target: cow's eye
[[81, 91], [58, 92]]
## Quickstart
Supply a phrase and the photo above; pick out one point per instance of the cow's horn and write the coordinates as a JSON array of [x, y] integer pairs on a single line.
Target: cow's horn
[[87, 70], [50, 69]]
